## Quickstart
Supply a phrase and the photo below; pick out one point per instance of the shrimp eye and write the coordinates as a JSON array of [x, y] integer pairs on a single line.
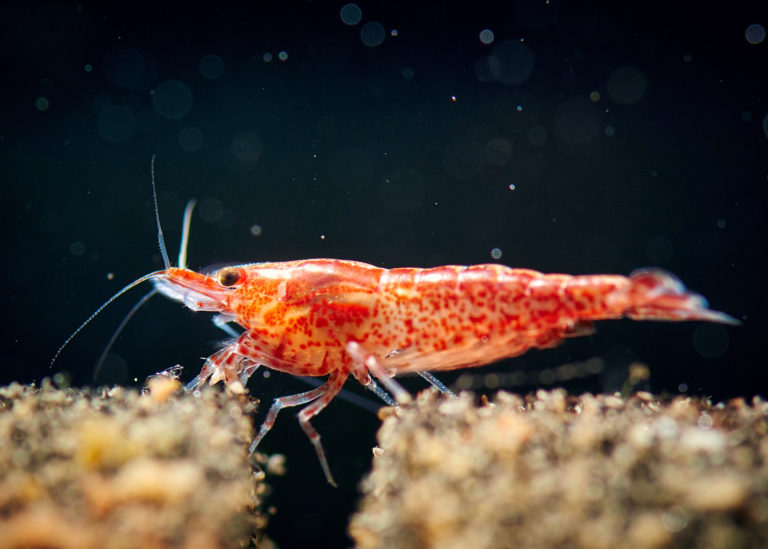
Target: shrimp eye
[[228, 276]]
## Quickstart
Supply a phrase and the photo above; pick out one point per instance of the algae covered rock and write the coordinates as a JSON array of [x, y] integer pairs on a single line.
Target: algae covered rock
[[117, 468], [553, 470]]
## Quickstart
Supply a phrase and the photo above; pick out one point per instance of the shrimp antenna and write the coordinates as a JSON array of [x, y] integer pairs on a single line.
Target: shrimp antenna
[[104, 306], [182, 264], [160, 239], [118, 331]]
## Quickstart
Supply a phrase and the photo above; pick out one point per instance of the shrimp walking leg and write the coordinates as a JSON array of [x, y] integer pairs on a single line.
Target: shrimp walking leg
[[368, 361], [331, 389], [436, 383], [279, 404]]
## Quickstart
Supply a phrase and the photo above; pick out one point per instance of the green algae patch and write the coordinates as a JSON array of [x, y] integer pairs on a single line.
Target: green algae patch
[[553, 470], [118, 468]]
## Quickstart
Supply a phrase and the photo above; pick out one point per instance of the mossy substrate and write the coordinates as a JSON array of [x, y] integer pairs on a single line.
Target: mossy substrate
[[119, 468], [553, 470]]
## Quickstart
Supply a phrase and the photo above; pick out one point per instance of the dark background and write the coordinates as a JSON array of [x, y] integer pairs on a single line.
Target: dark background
[[633, 136]]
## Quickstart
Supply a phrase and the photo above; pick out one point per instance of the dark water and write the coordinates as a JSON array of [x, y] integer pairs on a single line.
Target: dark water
[[570, 139]]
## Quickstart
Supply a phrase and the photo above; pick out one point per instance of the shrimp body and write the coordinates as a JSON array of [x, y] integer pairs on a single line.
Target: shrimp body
[[332, 317]]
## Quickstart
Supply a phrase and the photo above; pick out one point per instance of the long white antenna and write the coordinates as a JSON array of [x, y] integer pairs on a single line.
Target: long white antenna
[[104, 305], [185, 233], [160, 239]]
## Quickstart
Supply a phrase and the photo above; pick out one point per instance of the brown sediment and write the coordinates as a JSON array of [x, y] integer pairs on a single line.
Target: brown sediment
[[553, 470], [115, 468]]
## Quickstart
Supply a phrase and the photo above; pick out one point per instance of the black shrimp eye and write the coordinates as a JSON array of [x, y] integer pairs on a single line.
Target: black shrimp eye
[[228, 276]]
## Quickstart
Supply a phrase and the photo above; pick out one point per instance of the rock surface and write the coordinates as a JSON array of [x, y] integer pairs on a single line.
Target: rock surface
[[116, 468], [553, 470]]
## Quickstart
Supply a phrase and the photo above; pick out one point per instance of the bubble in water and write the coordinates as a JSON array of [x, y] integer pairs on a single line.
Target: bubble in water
[[172, 99], [351, 14], [211, 66], [755, 33], [372, 34], [496, 253], [486, 36]]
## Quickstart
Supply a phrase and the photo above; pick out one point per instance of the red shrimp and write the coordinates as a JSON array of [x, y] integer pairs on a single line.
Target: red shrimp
[[330, 317]]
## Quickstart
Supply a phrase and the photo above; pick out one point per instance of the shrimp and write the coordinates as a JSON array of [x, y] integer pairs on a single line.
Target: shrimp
[[330, 317], [336, 318]]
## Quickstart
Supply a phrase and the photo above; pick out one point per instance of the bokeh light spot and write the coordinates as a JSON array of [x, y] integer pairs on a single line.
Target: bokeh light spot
[[211, 210], [711, 340], [765, 125], [515, 62], [172, 99], [408, 73], [116, 124], [211, 66], [626, 85], [537, 136], [88, 67], [498, 151], [267, 57], [256, 230], [463, 158], [77, 248], [41, 104], [282, 56], [351, 14], [372, 34], [577, 130], [246, 148], [496, 253], [755, 33], [486, 36], [191, 138]]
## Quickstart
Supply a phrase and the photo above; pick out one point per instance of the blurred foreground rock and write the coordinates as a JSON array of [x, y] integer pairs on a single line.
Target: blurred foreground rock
[[113, 468], [551, 470]]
